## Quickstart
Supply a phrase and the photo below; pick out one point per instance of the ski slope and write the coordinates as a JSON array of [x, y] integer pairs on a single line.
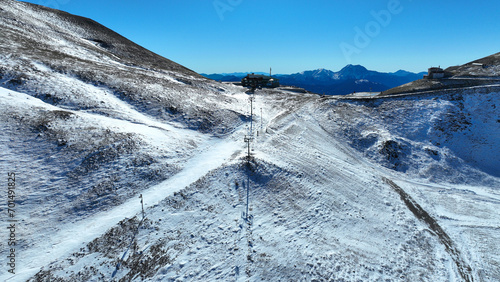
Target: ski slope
[[313, 197], [75, 235], [72, 236], [359, 188], [320, 208]]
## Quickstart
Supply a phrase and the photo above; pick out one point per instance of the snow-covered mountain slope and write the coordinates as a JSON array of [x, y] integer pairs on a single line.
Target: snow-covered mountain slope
[[321, 209], [71, 196], [388, 188], [481, 72], [433, 135], [70, 61], [484, 67]]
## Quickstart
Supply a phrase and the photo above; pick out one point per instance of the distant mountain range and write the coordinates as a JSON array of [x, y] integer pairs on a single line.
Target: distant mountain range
[[352, 78]]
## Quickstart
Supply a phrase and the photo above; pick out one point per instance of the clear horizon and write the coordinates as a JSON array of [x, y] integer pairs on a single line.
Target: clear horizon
[[226, 36]]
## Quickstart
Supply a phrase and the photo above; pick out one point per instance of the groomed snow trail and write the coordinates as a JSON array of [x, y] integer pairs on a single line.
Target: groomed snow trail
[[76, 235]]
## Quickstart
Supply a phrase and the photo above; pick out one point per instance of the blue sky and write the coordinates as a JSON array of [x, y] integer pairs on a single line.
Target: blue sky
[[215, 36]]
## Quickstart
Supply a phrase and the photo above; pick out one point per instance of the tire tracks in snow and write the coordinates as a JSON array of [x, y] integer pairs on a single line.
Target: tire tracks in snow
[[464, 269]]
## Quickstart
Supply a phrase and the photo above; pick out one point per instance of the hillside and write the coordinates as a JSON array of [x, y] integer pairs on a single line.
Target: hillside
[[400, 188], [485, 67], [485, 71]]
